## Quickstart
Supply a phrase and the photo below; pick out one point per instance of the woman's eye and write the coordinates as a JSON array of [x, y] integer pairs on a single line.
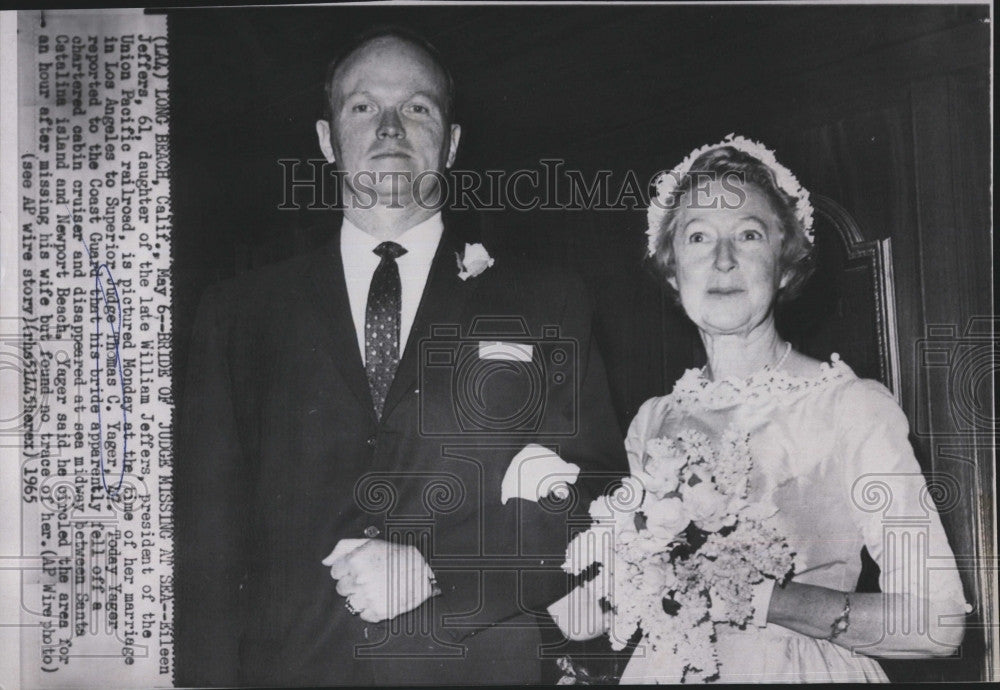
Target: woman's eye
[[752, 235], [696, 238]]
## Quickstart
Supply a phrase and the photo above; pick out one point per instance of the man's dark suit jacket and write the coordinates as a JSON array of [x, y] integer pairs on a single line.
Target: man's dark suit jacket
[[280, 456]]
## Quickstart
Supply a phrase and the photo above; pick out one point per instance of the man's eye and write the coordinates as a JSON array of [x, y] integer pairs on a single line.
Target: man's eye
[[419, 109], [752, 235], [361, 108]]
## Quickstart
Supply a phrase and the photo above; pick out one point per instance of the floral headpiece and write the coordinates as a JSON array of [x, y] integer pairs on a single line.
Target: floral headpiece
[[666, 182]]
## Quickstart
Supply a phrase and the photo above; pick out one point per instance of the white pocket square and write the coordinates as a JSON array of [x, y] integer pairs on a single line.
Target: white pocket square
[[508, 352], [535, 472]]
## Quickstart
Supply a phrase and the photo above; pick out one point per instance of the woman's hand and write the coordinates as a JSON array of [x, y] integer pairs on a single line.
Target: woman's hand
[[579, 614], [877, 624]]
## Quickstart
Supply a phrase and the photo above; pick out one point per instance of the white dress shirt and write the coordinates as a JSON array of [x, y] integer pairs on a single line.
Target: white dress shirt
[[360, 261]]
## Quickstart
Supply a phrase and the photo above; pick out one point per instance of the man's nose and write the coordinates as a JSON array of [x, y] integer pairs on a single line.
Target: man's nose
[[725, 255], [390, 126]]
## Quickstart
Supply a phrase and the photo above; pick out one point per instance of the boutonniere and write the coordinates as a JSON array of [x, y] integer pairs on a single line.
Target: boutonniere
[[473, 260]]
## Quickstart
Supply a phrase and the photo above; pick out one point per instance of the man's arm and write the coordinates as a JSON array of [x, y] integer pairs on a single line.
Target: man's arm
[[596, 447], [211, 504], [533, 530]]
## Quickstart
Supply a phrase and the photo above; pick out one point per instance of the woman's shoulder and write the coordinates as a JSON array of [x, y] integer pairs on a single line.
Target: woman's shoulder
[[651, 414], [850, 405], [837, 376], [863, 403], [838, 381], [655, 407]]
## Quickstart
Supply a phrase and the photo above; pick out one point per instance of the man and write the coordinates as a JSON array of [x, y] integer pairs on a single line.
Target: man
[[369, 438]]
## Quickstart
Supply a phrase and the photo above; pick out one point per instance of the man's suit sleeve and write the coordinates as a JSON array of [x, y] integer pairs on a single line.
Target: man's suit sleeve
[[211, 504], [596, 447]]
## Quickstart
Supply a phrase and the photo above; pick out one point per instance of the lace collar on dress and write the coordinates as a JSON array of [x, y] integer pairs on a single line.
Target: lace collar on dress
[[694, 389]]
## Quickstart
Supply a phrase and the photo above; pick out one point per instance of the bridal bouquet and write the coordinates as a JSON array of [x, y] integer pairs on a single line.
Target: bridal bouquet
[[681, 549]]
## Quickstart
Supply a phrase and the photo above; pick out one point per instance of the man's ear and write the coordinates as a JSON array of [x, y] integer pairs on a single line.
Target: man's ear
[[456, 134], [325, 142]]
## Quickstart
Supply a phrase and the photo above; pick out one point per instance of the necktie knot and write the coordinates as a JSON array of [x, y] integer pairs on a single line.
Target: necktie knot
[[389, 251]]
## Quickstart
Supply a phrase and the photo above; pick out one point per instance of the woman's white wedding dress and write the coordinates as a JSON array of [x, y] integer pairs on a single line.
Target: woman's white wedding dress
[[831, 452]]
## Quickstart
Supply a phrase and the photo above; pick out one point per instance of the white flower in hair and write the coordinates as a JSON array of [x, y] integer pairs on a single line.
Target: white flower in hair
[[666, 182]]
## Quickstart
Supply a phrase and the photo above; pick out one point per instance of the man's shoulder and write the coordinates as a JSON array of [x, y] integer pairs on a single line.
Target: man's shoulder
[[288, 279], [539, 292], [537, 277]]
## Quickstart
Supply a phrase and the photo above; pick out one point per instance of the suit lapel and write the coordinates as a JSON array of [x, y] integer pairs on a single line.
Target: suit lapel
[[327, 278], [442, 302]]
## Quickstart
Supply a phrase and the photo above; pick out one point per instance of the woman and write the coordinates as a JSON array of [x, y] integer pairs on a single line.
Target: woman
[[731, 230]]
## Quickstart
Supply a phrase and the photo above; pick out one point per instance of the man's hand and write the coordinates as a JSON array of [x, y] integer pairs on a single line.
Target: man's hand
[[380, 580]]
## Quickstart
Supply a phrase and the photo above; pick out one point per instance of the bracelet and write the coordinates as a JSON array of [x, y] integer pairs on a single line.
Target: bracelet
[[843, 621]]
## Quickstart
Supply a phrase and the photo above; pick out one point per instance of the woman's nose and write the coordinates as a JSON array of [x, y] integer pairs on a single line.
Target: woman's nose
[[390, 126], [725, 255]]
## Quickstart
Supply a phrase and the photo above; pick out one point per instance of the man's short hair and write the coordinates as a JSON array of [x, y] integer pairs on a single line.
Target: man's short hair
[[402, 34]]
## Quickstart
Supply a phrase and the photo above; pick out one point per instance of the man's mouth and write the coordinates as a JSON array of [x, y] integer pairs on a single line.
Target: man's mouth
[[391, 154], [724, 291]]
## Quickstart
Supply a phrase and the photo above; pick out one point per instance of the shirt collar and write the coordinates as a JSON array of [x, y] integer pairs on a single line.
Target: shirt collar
[[420, 241]]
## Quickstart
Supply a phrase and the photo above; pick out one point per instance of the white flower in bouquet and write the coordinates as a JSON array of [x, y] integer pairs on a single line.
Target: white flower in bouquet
[[707, 506], [731, 592], [621, 505], [675, 585], [614, 527], [734, 472], [607, 512], [646, 544], [700, 655], [601, 510], [661, 472], [721, 611], [666, 518], [654, 580]]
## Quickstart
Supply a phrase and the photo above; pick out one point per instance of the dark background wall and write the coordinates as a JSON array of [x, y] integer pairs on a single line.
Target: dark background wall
[[883, 109]]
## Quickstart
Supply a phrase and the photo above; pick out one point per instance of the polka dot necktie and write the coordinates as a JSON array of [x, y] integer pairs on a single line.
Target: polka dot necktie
[[382, 317]]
